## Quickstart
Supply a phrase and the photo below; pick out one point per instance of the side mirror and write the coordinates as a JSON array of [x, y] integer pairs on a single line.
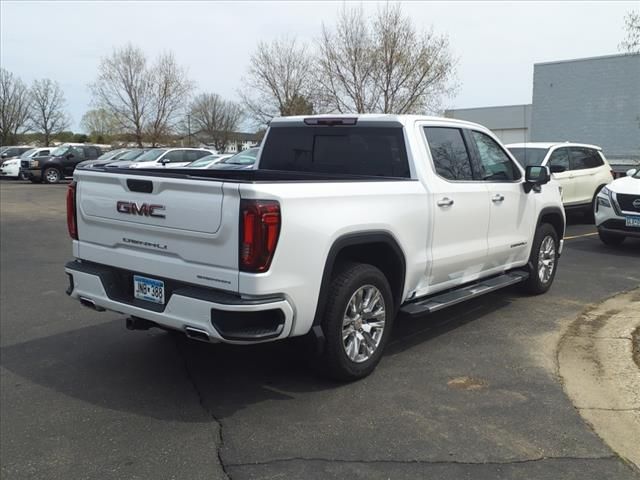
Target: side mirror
[[536, 176], [630, 173], [70, 156], [4, 155], [557, 168]]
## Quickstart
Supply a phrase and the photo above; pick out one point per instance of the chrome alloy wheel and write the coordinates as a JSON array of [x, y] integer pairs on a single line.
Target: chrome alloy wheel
[[363, 323], [546, 259]]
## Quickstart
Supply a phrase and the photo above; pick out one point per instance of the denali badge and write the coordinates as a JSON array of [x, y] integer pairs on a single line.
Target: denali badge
[[145, 209]]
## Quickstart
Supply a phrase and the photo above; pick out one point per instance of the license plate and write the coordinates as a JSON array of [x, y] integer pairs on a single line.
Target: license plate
[[148, 289], [632, 221]]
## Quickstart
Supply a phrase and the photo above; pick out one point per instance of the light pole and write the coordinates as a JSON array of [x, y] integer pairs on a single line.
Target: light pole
[[189, 128]]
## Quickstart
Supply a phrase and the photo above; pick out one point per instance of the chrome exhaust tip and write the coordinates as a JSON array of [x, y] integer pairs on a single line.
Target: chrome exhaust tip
[[196, 334]]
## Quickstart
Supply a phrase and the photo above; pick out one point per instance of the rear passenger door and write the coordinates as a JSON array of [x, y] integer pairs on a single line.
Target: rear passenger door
[[585, 163], [511, 210], [461, 210]]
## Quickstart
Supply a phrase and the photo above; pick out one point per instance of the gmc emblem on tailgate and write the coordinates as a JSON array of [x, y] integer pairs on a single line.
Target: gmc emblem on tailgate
[[132, 208]]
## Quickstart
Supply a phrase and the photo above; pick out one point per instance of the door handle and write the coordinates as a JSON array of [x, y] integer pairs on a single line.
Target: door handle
[[497, 198], [445, 202]]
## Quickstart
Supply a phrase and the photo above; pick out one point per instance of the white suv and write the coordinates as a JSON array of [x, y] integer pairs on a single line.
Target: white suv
[[617, 211], [582, 170], [169, 157]]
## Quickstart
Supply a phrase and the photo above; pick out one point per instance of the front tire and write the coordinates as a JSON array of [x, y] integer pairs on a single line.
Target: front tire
[[543, 261], [52, 175], [357, 322], [610, 238]]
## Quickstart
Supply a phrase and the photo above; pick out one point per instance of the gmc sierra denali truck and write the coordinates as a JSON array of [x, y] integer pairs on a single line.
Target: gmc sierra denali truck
[[345, 221]]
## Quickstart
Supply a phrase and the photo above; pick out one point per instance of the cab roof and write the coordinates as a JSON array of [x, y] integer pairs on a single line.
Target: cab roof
[[372, 118], [550, 145]]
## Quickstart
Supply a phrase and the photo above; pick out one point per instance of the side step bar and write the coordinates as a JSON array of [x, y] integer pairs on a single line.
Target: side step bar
[[461, 294]]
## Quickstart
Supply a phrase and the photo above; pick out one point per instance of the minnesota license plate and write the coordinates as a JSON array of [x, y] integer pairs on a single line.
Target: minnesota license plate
[[630, 221], [148, 289]]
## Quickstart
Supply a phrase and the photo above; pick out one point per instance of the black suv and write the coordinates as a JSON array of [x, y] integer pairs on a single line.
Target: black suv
[[61, 163]]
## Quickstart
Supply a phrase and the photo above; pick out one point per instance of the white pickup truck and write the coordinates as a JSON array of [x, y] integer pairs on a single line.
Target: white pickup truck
[[345, 221]]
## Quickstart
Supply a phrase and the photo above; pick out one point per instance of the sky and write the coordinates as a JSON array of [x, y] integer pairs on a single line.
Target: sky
[[496, 43]]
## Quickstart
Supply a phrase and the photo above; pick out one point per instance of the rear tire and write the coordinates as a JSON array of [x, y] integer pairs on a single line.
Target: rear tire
[[356, 323], [610, 238], [543, 261]]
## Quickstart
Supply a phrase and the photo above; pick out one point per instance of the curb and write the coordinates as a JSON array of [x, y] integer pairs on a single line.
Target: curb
[[595, 361]]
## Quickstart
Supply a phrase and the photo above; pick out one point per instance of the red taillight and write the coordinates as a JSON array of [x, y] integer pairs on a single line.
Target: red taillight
[[259, 231], [72, 224]]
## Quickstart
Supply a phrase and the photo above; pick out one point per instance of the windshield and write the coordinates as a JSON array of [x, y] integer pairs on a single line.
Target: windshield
[[111, 154], [204, 161], [637, 174], [28, 153], [131, 154], [151, 155], [529, 156], [60, 151], [248, 157]]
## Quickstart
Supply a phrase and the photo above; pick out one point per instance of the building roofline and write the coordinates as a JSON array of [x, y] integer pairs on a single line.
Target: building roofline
[[585, 59], [492, 106]]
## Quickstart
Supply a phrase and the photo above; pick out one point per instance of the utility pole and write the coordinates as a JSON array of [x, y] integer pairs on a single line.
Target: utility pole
[[189, 127]]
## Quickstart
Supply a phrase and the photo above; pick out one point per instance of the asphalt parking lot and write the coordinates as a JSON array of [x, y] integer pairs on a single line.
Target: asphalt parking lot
[[469, 392]]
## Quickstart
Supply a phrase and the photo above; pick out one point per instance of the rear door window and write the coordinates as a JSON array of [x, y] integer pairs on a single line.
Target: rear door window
[[369, 151], [193, 155], [583, 158], [449, 152], [92, 153]]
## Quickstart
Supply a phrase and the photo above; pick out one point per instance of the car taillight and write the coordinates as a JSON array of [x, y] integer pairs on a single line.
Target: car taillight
[[259, 230], [72, 224], [613, 174]]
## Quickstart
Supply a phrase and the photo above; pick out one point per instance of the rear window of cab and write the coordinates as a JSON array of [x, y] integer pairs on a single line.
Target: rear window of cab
[[351, 150]]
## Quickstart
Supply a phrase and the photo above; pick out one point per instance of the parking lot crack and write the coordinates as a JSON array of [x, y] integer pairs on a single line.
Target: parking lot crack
[[416, 461], [219, 441]]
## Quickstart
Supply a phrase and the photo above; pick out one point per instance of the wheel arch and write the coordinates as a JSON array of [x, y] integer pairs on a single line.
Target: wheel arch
[[377, 248], [553, 216]]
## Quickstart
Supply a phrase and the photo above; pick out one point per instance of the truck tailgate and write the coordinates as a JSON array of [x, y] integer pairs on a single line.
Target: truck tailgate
[[163, 226]]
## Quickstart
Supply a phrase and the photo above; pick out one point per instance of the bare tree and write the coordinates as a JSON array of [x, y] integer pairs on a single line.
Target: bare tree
[[15, 102], [47, 115], [214, 119], [279, 81], [383, 64], [123, 88], [347, 62], [99, 123], [170, 90], [631, 43]]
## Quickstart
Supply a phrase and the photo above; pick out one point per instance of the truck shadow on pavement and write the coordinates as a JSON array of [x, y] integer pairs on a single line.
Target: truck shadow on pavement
[[156, 373]]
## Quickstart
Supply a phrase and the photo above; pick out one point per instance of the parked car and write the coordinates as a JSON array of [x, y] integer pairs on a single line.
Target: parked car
[[170, 157], [582, 170], [122, 159], [346, 221], [207, 161], [9, 152], [11, 168], [60, 164], [240, 161], [617, 210]]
